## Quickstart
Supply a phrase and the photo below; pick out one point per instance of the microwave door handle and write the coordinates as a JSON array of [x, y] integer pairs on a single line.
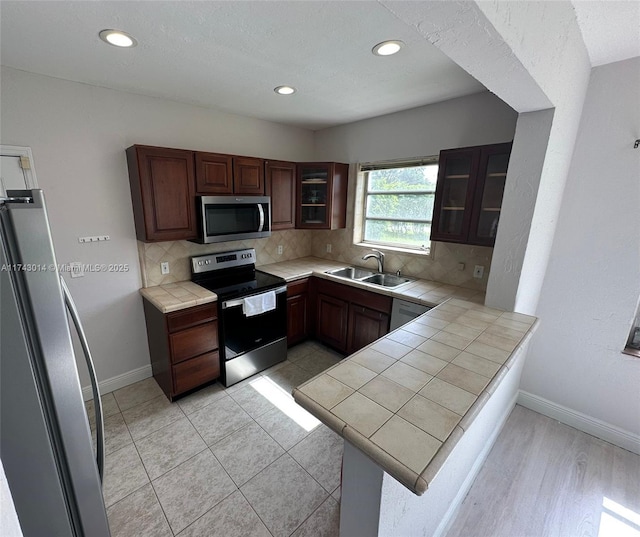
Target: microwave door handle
[[97, 402], [261, 212]]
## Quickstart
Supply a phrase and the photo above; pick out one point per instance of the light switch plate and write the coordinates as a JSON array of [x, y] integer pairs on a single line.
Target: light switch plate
[[478, 271], [164, 267]]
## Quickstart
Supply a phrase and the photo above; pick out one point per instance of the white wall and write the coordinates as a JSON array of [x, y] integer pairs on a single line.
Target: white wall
[[526, 165], [474, 120], [78, 134], [592, 283], [544, 37]]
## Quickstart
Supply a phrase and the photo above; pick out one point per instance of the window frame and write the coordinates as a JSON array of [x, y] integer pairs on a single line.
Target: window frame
[[361, 219]]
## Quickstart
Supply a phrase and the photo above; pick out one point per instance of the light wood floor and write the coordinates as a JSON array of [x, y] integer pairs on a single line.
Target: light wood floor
[[546, 479]]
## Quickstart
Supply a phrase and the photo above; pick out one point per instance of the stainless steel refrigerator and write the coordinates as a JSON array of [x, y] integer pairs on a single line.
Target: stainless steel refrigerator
[[45, 442]]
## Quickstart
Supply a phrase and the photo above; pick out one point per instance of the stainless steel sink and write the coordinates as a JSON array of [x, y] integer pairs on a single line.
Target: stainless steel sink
[[352, 273], [386, 280], [368, 276]]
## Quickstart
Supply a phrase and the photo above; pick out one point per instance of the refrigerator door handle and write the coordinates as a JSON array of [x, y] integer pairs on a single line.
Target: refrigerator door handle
[[97, 403]]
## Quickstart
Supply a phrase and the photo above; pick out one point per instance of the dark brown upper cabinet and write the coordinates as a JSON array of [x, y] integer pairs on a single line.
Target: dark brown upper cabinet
[[163, 193], [322, 195], [248, 175], [214, 173], [280, 182], [469, 194], [227, 174]]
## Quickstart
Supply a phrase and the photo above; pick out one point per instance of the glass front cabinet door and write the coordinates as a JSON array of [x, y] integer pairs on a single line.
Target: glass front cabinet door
[[322, 195], [469, 194]]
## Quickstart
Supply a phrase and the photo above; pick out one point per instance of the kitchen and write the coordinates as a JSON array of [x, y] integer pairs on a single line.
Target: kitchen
[[58, 118]]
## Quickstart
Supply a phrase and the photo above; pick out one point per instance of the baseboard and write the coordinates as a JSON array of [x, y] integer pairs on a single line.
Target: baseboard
[[120, 381], [452, 512], [582, 422]]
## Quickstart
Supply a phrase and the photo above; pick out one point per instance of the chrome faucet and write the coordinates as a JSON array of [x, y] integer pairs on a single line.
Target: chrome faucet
[[379, 258]]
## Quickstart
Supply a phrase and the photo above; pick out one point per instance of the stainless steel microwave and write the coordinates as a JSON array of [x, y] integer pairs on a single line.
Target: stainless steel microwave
[[232, 218]]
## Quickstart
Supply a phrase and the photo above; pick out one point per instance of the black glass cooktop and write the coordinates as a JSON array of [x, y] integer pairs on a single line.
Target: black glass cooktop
[[237, 283]]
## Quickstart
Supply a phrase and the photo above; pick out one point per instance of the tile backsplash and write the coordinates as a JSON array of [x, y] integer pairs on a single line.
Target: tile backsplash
[[295, 243], [441, 266]]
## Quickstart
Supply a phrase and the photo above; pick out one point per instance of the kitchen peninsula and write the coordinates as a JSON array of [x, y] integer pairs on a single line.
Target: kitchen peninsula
[[420, 414]]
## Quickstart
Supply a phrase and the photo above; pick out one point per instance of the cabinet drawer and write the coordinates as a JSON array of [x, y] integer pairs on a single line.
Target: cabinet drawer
[[187, 318], [193, 341], [298, 287], [195, 372]]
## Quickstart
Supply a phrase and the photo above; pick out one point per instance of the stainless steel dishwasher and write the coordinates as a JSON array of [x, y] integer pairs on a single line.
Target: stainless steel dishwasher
[[403, 311]]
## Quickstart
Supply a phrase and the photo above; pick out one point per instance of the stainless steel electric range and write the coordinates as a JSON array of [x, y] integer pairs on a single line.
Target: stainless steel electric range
[[252, 312]]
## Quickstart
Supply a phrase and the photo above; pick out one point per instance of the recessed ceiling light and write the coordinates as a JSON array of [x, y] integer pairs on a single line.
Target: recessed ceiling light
[[284, 90], [387, 48], [117, 38]]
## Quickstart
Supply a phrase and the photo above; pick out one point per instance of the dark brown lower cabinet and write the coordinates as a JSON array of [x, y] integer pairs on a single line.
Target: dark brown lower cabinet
[[297, 311], [365, 326], [349, 318], [183, 346], [332, 320]]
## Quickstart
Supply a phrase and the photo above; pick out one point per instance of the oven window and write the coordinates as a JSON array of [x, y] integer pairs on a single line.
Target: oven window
[[228, 219], [242, 334]]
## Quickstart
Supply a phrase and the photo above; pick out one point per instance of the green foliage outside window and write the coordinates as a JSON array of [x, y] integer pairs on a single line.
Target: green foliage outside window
[[399, 205]]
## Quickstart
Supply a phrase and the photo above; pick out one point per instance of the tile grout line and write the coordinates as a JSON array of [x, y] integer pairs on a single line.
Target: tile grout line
[[252, 508], [183, 414], [207, 447], [304, 470]]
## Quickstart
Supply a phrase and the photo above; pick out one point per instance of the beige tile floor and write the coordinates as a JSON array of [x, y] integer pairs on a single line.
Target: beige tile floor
[[243, 461]]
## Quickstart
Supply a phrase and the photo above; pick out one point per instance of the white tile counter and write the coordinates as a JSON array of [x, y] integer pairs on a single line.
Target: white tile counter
[[407, 399]]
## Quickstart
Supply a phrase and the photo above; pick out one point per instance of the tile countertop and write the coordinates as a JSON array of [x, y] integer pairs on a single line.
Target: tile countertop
[[176, 296], [421, 291], [407, 399]]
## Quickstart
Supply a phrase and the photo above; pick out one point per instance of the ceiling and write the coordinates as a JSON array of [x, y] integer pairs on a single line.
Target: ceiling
[[610, 29], [229, 55]]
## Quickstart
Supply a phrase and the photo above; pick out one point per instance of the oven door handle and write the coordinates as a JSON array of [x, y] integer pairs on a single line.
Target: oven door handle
[[240, 301], [261, 212]]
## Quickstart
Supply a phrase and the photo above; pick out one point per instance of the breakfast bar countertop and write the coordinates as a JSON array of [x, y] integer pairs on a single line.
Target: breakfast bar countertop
[[408, 398]]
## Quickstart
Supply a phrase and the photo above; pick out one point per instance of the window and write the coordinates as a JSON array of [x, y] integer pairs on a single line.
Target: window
[[398, 203]]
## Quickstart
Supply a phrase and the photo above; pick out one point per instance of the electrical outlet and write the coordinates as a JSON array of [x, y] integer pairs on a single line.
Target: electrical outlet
[[280, 249], [460, 266], [478, 271], [329, 248], [164, 267]]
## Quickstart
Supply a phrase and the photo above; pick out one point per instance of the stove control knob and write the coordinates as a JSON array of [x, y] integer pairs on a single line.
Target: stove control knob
[[207, 262], [199, 262]]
